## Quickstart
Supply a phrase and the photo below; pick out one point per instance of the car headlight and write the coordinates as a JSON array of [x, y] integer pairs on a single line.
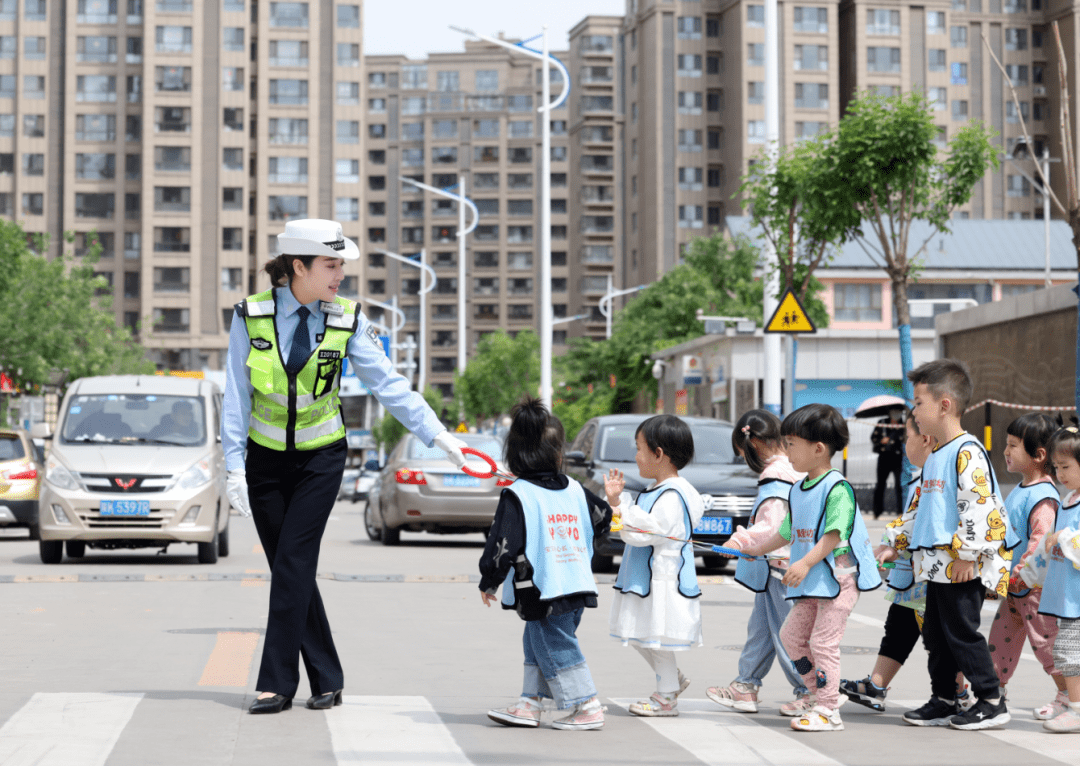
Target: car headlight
[[195, 476], [59, 476]]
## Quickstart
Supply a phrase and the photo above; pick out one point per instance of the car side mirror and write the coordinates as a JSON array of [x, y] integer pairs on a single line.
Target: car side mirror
[[576, 457], [40, 431]]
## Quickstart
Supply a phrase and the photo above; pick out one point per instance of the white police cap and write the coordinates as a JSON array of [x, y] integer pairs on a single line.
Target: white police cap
[[315, 236]]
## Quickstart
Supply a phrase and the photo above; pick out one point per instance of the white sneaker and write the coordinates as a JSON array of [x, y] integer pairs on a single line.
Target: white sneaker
[[656, 706], [819, 718], [585, 716], [803, 703], [1052, 709], [524, 713], [737, 696]]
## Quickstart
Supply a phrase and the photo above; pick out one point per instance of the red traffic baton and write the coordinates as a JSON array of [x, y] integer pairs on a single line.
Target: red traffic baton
[[494, 470]]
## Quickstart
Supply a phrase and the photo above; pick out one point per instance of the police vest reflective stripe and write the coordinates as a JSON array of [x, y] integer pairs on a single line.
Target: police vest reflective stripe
[[1061, 591], [1020, 503], [807, 526], [755, 574], [301, 411], [902, 577], [635, 571], [558, 542], [939, 517]]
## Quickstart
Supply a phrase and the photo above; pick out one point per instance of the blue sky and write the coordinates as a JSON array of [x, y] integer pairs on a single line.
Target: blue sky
[[419, 27]]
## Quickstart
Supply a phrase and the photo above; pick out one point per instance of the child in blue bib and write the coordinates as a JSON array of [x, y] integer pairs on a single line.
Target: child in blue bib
[[1061, 591]]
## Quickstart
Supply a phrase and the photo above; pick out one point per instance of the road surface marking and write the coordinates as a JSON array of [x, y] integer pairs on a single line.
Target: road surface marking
[[77, 729], [230, 661], [253, 582], [397, 731], [727, 739]]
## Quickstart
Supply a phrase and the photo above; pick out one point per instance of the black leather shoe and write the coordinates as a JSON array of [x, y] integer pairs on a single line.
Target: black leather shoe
[[274, 704], [324, 701]]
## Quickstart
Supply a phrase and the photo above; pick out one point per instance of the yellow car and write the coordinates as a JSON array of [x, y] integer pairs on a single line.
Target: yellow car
[[21, 466]]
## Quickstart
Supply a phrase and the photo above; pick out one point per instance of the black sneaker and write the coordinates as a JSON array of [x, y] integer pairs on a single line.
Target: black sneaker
[[936, 712], [982, 715], [865, 692]]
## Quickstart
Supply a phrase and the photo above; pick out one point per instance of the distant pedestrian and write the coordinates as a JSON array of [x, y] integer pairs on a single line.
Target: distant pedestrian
[[888, 441], [540, 551], [282, 408], [657, 608]]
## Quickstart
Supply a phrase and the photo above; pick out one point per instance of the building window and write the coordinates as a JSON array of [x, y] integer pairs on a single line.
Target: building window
[[880, 21], [34, 125], [232, 159], [170, 79], [347, 209], [1017, 73], [288, 170], [376, 105], [33, 86], [811, 58], [171, 39], [95, 205], [938, 99], [34, 164], [412, 131], [690, 179], [755, 92], [936, 59], [812, 20], [755, 54], [133, 167], [172, 119], [33, 204], [348, 16], [175, 159], [172, 320], [93, 127], [292, 53], [95, 11], [689, 64], [348, 54], [232, 239], [811, 95], [857, 302], [883, 60], [172, 199], [689, 102], [347, 171], [348, 131], [487, 81], [231, 279], [689, 141], [755, 16], [689, 27], [232, 198], [232, 38], [447, 82], [286, 207], [805, 130], [1011, 113], [35, 10], [414, 77], [958, 37], [960, 109], [935, 22], [520, 128], [755, 132], [289, 15], [232, 79], [691, 217], [293, 92]]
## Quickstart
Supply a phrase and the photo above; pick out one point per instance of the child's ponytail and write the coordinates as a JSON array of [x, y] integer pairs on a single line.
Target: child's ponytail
[[756, 424], [535, 441]]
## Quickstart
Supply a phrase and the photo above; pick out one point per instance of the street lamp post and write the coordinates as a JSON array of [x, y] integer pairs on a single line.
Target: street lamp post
[[396, 324], [605, 303], [771, 373], [462, 232], [421, 383], [1021, 152], [545, 108]]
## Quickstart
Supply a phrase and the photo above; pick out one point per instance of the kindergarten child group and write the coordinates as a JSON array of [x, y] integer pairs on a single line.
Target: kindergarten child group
[[807, 556]]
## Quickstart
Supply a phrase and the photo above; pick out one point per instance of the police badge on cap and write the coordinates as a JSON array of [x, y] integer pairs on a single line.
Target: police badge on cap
[[315, 236]]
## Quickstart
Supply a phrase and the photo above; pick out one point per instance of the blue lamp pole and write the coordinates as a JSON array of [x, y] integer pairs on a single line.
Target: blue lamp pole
[[546, 315]]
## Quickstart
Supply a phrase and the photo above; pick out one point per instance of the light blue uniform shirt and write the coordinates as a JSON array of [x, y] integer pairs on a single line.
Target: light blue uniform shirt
[[369, 362]]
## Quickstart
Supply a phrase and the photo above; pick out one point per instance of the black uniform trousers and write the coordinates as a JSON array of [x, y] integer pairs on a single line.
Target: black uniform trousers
[[889, 463], [951, 633], [292, 495]]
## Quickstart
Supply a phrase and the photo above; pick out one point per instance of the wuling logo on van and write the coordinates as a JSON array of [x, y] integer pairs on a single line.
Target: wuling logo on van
[[125, 485]]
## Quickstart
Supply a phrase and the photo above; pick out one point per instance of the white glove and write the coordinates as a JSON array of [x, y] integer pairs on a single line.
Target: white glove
[[452, 446], [236, 489]]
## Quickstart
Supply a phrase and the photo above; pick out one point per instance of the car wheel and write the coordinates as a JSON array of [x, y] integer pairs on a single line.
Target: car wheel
[[208, 552], [223, 540], [75, 549], [35, 531], [371, 524], [389, 536], [51, 551], [602, 564], [718, 563]]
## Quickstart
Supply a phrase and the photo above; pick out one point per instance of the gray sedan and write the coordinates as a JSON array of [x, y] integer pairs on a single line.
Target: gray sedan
[[420, 490]]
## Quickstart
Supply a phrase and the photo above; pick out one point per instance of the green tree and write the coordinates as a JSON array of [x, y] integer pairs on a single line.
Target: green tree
[[503, 370], [891, 174], [388, 430], [56, 315]]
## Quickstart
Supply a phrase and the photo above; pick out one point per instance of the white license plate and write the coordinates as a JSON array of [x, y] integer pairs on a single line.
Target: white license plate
[[125, 508], [453, 480], [713, 525]]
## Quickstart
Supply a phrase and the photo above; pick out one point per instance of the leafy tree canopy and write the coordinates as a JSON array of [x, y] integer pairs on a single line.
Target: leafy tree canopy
[[503, 370], [387, 431]]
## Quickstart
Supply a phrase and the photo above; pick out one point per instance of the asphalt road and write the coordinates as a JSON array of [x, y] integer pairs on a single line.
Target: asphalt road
[[133, 658]]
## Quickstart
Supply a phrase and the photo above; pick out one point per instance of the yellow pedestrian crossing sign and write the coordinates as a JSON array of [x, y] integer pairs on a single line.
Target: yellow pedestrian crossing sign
[[462, 428], [790, 317]]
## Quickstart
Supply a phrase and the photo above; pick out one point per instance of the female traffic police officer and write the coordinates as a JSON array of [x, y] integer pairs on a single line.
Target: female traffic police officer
[[281, 399]]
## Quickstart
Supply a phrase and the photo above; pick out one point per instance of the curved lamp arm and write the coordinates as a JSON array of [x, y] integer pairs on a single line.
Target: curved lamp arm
[[532, 52], [422, 266], [448, 195], [399, 315]]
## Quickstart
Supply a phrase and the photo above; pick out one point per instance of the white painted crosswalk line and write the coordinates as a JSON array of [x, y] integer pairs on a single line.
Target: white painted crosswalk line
[[391, 730], [78, 729], [718, 738]]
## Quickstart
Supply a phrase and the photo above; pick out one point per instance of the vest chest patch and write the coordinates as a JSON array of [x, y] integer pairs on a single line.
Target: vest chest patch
[[325, 354], [261, 344], [373, 335]]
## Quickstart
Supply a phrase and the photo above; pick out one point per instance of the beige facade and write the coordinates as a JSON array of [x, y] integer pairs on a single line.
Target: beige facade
[[184, 134]]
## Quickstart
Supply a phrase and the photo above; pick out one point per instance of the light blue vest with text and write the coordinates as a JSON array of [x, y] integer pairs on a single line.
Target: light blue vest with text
[[902, 577], [635, 571], [1061, 591], [558, 541], [1020, 502], [755, 574], [807, 527]]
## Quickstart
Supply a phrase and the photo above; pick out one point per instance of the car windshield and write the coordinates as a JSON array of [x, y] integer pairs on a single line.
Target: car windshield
[[10, 448], [135, 419], [712, 444], [486, 444]]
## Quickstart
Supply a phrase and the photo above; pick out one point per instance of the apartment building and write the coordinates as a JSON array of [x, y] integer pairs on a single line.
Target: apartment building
[[183, 134], [471, 114]]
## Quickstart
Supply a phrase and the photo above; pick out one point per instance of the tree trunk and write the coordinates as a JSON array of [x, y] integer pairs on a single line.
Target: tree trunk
[[903, 321]]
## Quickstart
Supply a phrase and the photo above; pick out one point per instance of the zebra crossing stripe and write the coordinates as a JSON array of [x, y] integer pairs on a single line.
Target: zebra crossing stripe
[[76, 729], [397, 731], [727, 739]]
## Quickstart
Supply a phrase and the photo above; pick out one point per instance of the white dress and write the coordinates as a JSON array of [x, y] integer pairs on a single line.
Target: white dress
[[665, 619]]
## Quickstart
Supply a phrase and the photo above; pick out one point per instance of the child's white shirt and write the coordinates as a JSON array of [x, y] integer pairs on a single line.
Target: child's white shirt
[[1069, 538], [665, 619]]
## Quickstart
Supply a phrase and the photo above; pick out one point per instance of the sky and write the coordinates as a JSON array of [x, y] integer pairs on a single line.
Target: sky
[[418, 27]]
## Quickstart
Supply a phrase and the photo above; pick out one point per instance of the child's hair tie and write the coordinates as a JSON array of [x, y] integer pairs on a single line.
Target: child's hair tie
[[746, 429]]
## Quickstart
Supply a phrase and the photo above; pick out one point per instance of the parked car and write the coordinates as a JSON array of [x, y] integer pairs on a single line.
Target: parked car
[[420, 490], [21, 467], [364, 481], [348, 483], [136, 462], [727, 486]]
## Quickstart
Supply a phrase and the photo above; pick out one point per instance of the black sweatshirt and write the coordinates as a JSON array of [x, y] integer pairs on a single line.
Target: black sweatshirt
[[506, 542]]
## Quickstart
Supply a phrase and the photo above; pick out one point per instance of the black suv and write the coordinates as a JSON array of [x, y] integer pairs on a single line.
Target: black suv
[[725, 483]]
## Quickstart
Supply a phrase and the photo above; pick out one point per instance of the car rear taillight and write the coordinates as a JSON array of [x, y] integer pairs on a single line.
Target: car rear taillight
[[27, 474], [504, 482], [406, 476]]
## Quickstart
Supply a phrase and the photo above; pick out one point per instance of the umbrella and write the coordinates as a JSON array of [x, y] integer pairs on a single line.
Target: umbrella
[[879, 406]]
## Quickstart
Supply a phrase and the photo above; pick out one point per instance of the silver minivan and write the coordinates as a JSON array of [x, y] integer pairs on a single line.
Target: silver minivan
[[135, 462]]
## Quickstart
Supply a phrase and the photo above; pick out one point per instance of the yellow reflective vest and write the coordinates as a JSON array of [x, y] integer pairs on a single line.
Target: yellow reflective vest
[[301, 411]]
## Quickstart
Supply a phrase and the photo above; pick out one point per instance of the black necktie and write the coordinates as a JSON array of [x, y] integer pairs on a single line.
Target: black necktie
[[301, 344]]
